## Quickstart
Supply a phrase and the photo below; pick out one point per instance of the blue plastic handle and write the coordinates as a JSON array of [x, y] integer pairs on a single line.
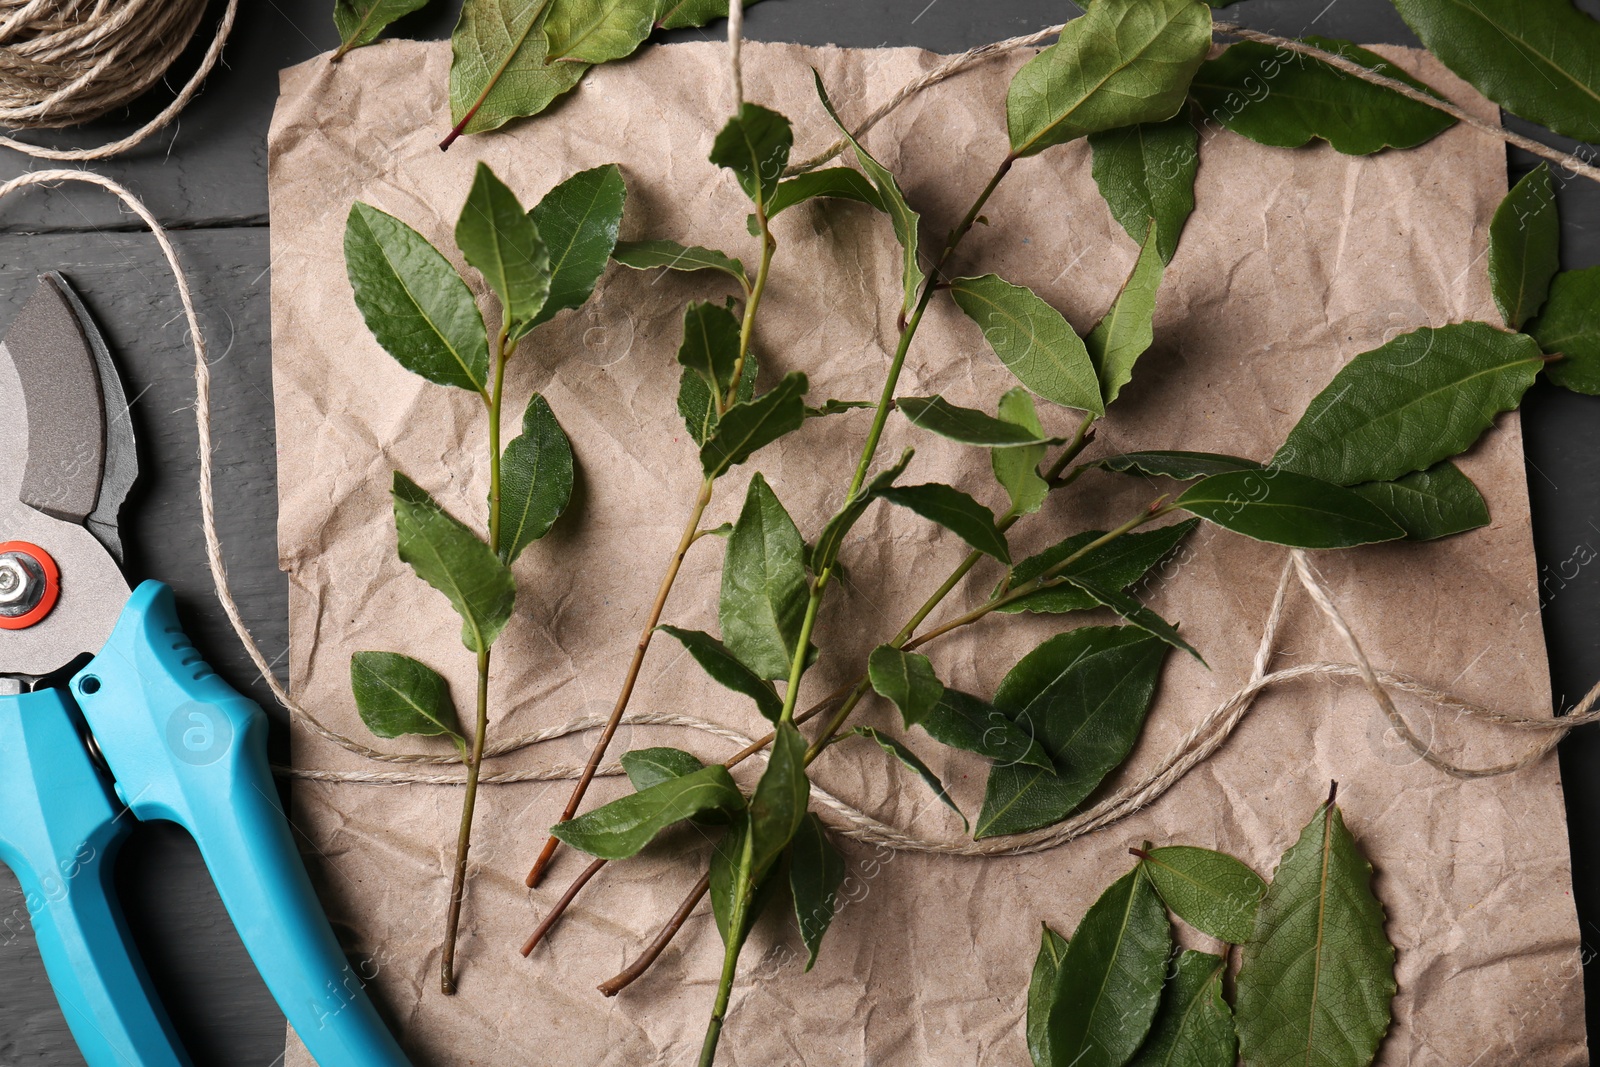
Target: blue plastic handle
[[184, 746], [59, 833]]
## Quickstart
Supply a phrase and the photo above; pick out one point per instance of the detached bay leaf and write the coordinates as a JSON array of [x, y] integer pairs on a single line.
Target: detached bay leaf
[[1119, 339], [681, 14], [1109, 984], [913, 763], [1122, 63], [1147, 172], [1041, 987], [1284, 508], [956, 512], [497, 66], [670, 255], [815, 872], [360, 21], [961, 720], [397, 695], [752, 424], [1017, 468], [1211, 891], [624, 826], [535, 480], [1437, 502], [1524, 247], [1402, 407], [726, 669], [764, 587], [1569, 326], [892, 200], [579, 220], [907, 680], [501, 240], [455, 561], [1084, 696], [1288, 99], [414, 301], [1033, 340], [1193, 1025], [968, 425], [1537, 60], [596, 31], [1317, 976]]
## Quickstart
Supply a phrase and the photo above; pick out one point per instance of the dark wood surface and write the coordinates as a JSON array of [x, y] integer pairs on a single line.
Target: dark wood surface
[[207, 177]]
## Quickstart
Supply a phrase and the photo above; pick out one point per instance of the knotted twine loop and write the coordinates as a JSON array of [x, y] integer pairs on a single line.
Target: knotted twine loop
[[1199, 744], [64, 62]]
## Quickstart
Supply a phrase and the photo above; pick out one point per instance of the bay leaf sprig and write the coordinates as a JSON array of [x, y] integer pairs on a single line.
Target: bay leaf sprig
[[421, 311]]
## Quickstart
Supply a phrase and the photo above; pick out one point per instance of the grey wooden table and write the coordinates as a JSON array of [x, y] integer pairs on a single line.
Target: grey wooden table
[[206, 177]]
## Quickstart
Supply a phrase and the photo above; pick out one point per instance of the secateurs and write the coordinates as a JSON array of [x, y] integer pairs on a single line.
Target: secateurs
[[108, 715]]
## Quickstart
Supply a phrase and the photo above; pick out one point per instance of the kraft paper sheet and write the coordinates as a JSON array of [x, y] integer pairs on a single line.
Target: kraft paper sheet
[[1293, 262]]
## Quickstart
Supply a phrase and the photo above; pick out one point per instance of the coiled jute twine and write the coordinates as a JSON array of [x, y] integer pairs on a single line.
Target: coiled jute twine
[[1205, 738]]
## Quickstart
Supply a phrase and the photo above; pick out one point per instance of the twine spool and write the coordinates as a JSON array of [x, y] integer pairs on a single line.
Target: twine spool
[[63, 62]]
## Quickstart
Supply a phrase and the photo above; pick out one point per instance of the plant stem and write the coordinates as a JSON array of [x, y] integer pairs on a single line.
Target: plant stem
[[561, 906], [458, 882], [691, 534], [640, 647], [730, 965], [612, 986]]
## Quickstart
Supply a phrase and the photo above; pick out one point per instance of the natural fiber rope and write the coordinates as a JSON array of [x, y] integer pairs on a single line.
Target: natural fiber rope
[[1199, 744], [64, 62]]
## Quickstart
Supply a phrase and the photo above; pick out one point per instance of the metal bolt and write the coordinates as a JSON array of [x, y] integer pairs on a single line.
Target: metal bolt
[[22, 584]]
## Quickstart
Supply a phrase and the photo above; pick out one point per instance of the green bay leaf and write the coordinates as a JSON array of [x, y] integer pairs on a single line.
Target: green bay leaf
[[1288, 99], [755, 146], [1017, 468], [359, 22], [646, 767], [710, 345], [698, 405], [1569, 326], [1422, 397], [1041, 986], [579, 220], [670, 255], [1183, 466], [1084, 696], [956, 512], [1524, 247], [497, 65], [455, 561], [1437, 502], [536, 476], [397, 695], [837, 183], [968, 425], [502, 241], [682, 14], [1132, 611], [623, 827], [1109, 984], [764, 586], [1116, 565], [816, 870], [1147, 172], [596, 31], [750, 425], [912, 762], [1211, 891], [1316, 976], [961, 720], [1540, 61], [414, 301], [728, 670], [1033, 340], [907, 680], [1284, 508], [1124, 62], [826, 549], [1193, 1025], [1126, 331]]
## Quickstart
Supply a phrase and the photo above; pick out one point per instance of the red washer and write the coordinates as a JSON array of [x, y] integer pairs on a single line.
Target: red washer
[[52, 585]]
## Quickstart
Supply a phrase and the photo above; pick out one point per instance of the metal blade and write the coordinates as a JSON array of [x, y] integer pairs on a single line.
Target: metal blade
[[81, 459]]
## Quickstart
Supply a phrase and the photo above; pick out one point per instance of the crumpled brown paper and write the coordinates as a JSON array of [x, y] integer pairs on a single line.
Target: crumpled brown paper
[[1293, 262]]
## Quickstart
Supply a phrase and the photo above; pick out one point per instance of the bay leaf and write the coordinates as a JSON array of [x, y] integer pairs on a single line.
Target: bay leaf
[[1017, 468], [755, 145], [1284, 508], [397, 695], [728, 670], [621, 828], [1125, 333], [826, 550], [1041, 986], [698, 405], [1132, 611], [752, 424], [497, 65], [764, 585], [961, 720], [1524, 247], [455, 561], [359, 22], [414, 301], [907, 680], [501, 240], [1288, 99], [912, 762], [596, 31], [816, 870], [1115, 565], [1183, 466], [1147, 172], [646, 767], [1422, 397], [1316, 976], [710, 344], [681, 14], [670, 255], [1033, 340], [1124, 62], [579, 220], [1193, 1025], [1084, 696], [968, 425], [1437, 502], [1109, 984], [1211, 891], [778, 804], [1537, 60], [956, 512], [535, 480], [838, 183], [1569, 326]]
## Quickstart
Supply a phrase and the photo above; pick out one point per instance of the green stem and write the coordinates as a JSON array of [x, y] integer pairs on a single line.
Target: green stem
[[458, 882], [730, 967]]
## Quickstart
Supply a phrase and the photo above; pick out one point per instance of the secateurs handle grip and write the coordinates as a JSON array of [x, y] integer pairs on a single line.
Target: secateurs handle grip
[[60, 835], [183, 745]]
